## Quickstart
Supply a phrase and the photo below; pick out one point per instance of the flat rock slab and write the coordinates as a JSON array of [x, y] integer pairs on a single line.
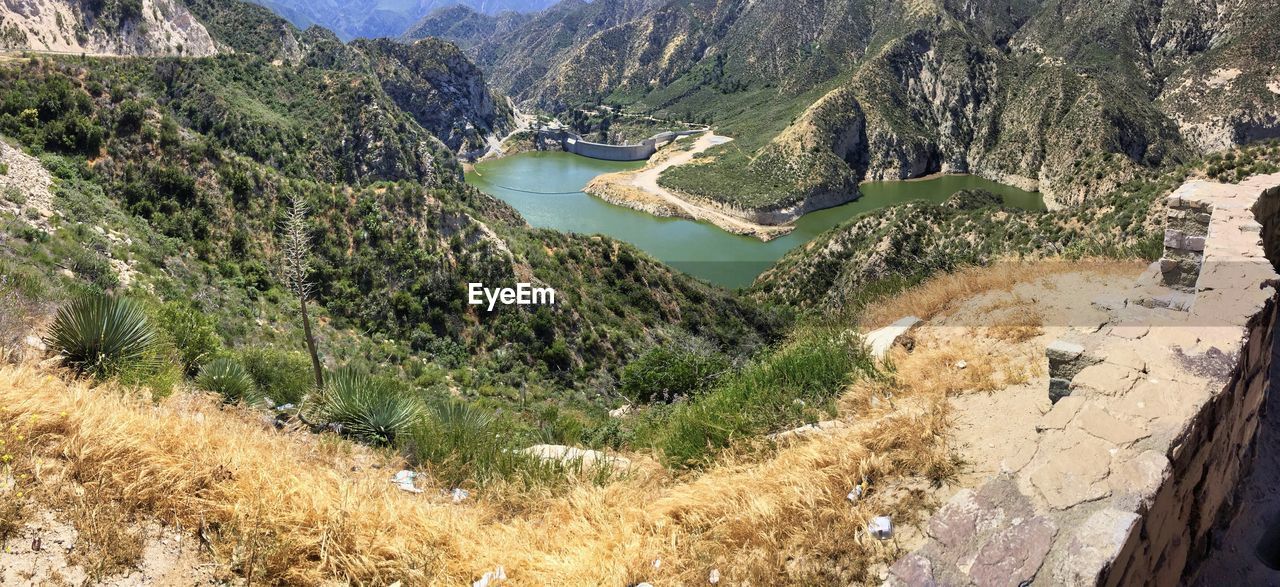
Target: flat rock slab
[[1076, 474], [881, 340], [1014, 555], [1099, 423], [571, 455], [1093, 545], [993, 532]]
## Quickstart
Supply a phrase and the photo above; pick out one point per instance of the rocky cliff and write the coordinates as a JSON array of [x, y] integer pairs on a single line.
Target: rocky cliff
[[435, 83], [110, 27]]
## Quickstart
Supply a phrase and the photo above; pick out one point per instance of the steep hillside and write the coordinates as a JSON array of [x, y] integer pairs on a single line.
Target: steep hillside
[[880, 253], [371, 19], [189, 166], [431, 81], [112, 27], [518, 55], [822, 95], [445, 93]]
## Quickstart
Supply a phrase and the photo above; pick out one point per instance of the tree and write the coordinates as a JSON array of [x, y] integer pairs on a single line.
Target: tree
[[295, 267]]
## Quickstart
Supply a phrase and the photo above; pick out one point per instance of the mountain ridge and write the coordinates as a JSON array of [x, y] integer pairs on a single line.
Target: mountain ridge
[[1023, 92], [372, 19]]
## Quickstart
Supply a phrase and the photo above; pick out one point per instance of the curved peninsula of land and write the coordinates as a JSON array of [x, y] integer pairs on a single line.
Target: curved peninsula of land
[[640, 190]]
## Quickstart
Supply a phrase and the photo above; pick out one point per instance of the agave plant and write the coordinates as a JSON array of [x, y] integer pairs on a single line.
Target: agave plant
[[228, 378], [364, 407], [103, 335]]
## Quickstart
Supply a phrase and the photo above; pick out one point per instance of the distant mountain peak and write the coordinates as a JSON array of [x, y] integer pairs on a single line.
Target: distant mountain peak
[[352, 19]]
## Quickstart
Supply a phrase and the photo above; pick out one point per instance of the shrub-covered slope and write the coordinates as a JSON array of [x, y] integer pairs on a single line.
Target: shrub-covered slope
[[177, 173], [883, 251]]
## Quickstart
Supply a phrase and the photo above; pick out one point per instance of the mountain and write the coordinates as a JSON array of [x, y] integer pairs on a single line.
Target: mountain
[[195, 162], [518, 51], [822, 95], [113, 27], [383, 18], [432, 81], [465, 26]]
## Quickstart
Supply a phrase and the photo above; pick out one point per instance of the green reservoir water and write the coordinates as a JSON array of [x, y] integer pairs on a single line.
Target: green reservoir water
[[546, 188]]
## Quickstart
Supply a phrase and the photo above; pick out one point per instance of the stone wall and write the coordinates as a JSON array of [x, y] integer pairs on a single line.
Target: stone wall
[[1186, 227], [1132, 470], [1206, 464]]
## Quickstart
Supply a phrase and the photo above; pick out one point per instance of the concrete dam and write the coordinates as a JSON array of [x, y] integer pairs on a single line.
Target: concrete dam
[[574, 143]]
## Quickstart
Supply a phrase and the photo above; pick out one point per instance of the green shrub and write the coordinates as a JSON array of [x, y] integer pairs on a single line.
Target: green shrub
[[104, 336], [192, 333], [465, 445], [665, 374], [794, 385], [371, 409], [283, 376], [228, 378], [131, 116]]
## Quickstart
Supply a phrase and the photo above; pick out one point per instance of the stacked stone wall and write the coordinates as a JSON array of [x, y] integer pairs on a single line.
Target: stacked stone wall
[[1206, 464], [1186, 229], [1135, 467]]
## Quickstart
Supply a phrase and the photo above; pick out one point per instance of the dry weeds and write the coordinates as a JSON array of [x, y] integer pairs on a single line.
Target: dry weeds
[[280, 507], [941, 293], [296, 508]]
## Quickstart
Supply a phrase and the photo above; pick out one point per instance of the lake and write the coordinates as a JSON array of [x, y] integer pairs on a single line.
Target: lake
[[546, 188]]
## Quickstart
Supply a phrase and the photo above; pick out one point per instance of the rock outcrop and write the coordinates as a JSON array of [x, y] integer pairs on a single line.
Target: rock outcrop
[[136, 27], [444, 92]]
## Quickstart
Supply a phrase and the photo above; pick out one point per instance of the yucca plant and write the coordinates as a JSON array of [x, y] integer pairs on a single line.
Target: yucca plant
[[228, 378], [103, 335], [363, 407]]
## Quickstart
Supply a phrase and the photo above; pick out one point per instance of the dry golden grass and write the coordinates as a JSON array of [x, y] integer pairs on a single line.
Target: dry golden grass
[[941, 293], [287, 508], [15, 473], [110, 539], [295, 508]]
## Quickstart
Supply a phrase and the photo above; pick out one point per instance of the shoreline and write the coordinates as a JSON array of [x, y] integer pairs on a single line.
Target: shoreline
[[639, 190]]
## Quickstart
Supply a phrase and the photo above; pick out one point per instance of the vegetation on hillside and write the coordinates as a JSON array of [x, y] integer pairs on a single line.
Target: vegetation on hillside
[[179, 202], [821, 95], [879, 253]]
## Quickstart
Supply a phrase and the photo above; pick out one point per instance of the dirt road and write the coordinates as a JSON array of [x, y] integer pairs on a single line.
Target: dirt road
[[640, 190]]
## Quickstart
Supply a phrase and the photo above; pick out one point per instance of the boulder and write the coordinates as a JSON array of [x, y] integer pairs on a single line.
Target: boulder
[[880, 341]]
